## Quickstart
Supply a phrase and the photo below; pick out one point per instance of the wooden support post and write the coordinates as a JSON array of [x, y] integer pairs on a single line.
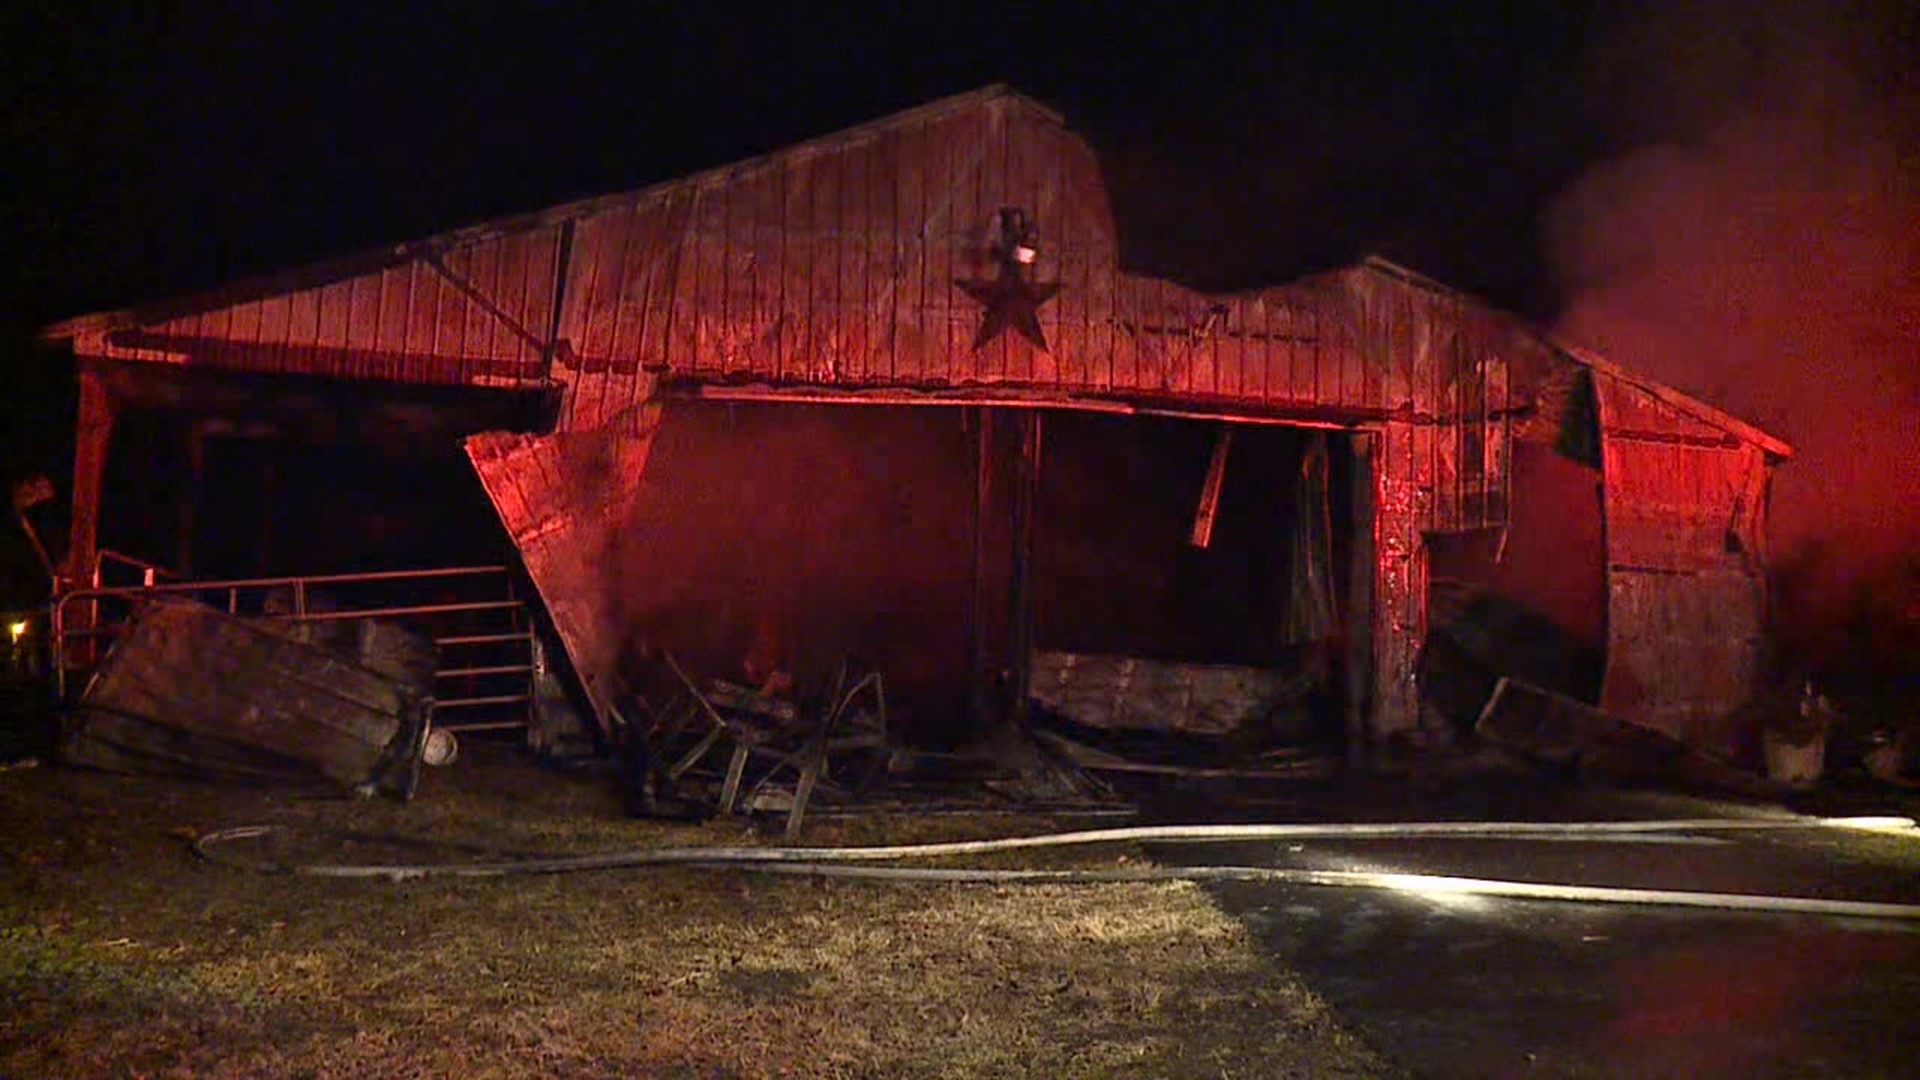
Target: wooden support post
[[980, 666], [1360, 599], [1020, 615], [92, 435], [1402, 494]]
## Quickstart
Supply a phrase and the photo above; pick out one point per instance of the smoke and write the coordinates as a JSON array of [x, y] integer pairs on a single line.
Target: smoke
[[1760, 249]]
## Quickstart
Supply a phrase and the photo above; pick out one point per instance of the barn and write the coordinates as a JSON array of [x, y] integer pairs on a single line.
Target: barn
[[892, 393]]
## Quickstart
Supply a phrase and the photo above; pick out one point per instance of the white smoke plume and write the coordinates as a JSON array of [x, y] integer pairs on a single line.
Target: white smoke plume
[[1760, 249]]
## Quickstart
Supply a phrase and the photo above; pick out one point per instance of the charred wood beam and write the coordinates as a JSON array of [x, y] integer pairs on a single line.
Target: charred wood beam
[[562, 262], [1202, 330], [1676, 438], [1209, 508], [1218, 409], [33, 539], [26, 495], [1013, 397]]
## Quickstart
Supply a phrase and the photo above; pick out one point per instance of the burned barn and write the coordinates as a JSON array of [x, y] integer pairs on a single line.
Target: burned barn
[[892, 394]]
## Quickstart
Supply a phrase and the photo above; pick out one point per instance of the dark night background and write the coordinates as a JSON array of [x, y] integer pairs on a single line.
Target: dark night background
[[161, 152], [1495, 147]]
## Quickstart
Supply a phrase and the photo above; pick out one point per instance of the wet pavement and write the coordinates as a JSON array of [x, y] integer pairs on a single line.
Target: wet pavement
[[1458, 986]]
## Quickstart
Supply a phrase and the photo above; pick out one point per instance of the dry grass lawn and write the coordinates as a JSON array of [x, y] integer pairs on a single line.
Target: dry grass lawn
[[123, 955]]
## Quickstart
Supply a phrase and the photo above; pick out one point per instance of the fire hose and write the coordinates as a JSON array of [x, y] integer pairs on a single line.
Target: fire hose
[[855, 862]]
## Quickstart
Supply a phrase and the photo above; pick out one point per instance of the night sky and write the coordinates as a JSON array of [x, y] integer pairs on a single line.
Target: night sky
[[159, 152], [162, 151]]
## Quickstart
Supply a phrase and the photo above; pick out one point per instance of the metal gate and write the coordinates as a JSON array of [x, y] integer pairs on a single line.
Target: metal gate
[[475, 615]]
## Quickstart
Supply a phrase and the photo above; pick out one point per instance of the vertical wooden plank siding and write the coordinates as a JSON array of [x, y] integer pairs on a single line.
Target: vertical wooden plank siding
[[565, 500], [1686, 607]]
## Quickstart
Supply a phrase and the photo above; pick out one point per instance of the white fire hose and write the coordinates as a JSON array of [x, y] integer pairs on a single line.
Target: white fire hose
[[854, 862]]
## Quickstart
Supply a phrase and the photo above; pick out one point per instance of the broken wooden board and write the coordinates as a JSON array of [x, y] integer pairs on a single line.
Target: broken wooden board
[[1543, 725], [1124, 692], [191, 691], [1557, 730], [1095, 759]]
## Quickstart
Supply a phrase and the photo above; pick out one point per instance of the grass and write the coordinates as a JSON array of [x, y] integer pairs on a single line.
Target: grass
[[123, 955]]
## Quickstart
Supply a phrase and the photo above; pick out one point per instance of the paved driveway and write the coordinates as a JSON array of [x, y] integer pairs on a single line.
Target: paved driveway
[[1453, 986]]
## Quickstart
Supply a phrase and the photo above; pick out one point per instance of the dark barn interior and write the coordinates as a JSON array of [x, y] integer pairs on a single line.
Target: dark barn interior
[[1117, 569], [1118, 572], [265, 504], [785, 537], [224, 476]]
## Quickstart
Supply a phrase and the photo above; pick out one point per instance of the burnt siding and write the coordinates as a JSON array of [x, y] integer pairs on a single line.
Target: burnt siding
[[474, 313], [1685, 583]]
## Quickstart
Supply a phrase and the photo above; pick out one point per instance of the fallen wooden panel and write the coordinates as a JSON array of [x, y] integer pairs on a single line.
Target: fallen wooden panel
[[565, 500], [192, 691], [1686, 521], [1599, 746], [1097, 760], [1118, 692], [1544, 725]]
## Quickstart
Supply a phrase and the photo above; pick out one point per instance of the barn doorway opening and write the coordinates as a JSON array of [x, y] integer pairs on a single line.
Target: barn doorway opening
[[312, 500], [1192, 578], [772, 536], [777, 540]]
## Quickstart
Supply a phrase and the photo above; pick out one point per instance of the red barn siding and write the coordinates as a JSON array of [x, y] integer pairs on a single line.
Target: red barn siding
[[455, 313], [1686, 588], [1552, 555]]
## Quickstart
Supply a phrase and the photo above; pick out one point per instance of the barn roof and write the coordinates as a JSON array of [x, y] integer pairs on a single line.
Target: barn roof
[[340, 268], [851, 262], [1589, 358], [1686, 403]]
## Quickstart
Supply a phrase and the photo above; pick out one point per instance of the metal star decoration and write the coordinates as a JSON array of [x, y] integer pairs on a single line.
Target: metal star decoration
[[1012, 302]]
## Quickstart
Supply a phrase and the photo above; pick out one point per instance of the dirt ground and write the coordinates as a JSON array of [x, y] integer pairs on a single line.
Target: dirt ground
[[122, 954]]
